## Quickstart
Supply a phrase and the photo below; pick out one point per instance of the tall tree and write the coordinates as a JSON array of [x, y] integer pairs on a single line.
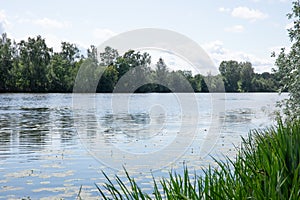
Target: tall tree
[[230, 70], [92, 53], [289, 66], [133, 70], [214, 83], [108, 79], [130, 60], [7, 52], [161, 76], [63, 69], [69, 52], [109, 56], [247, 74], [34, 56], [199, 84]]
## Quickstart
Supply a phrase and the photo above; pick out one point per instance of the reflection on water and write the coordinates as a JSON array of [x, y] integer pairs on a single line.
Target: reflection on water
[[30, 129], [42, 155]]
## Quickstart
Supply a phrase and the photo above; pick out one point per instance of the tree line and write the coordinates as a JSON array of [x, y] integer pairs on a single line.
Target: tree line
[[31, 66]]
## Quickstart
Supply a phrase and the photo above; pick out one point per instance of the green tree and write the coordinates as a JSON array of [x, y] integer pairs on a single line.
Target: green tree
[[63, 69], [34, 57], [7, 52], [108, 79], [199, 84], [247, 74], [69, 52], [92, 53], [88, 77], [230, 70], [109, 56], [179, 83], [265, 82], [133, 70], [289, 66], [130, 60], [161, 76], [214, 83]]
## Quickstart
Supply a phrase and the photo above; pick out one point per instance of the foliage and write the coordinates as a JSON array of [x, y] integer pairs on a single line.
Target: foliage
[[230, 70], [246, 77], [240, 77], [289, 67], [108, 57], [266, 167], [108, 79], [62, 68], [32, 66], [34, 57], [7, 51]]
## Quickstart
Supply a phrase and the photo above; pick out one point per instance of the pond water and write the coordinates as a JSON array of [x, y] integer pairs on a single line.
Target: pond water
[[52, 144]]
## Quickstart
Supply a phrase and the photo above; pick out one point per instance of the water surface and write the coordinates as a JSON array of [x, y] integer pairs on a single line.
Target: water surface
[[49, 147]]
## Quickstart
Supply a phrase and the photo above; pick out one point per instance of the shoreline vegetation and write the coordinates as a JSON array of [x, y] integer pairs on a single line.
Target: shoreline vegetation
[[267, 166], [30, 66]]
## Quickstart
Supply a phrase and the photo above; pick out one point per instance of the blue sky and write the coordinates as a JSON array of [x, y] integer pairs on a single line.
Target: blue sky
[[243, 30]]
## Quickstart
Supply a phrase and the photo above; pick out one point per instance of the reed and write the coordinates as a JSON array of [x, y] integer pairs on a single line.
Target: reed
[[267, 166]]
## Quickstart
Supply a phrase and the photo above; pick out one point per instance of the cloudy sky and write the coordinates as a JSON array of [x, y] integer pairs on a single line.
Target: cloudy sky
[[243, 30]]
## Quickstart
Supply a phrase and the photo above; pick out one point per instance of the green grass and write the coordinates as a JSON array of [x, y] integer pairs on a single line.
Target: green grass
[[267, 166]]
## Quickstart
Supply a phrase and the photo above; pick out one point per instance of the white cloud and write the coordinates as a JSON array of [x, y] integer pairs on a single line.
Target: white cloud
[[52, 41], [289, 25], [235, 29], [2, 16], [3, 22], [215, 47], [222, 9], [55, 42], [219, 53], [247, 13], [23, 20], [51, 23], [173, 61], [102, 34]]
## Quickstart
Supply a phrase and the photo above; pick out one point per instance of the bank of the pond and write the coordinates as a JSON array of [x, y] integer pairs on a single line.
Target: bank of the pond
[[267, 166]]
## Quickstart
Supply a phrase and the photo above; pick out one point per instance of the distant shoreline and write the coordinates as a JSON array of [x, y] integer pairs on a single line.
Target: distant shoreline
[[129, 92]]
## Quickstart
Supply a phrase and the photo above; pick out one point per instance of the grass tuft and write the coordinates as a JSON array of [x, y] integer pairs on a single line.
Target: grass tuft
[[267, 166]]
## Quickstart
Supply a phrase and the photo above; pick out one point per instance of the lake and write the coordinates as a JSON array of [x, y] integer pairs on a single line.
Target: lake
[[51, 144]]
